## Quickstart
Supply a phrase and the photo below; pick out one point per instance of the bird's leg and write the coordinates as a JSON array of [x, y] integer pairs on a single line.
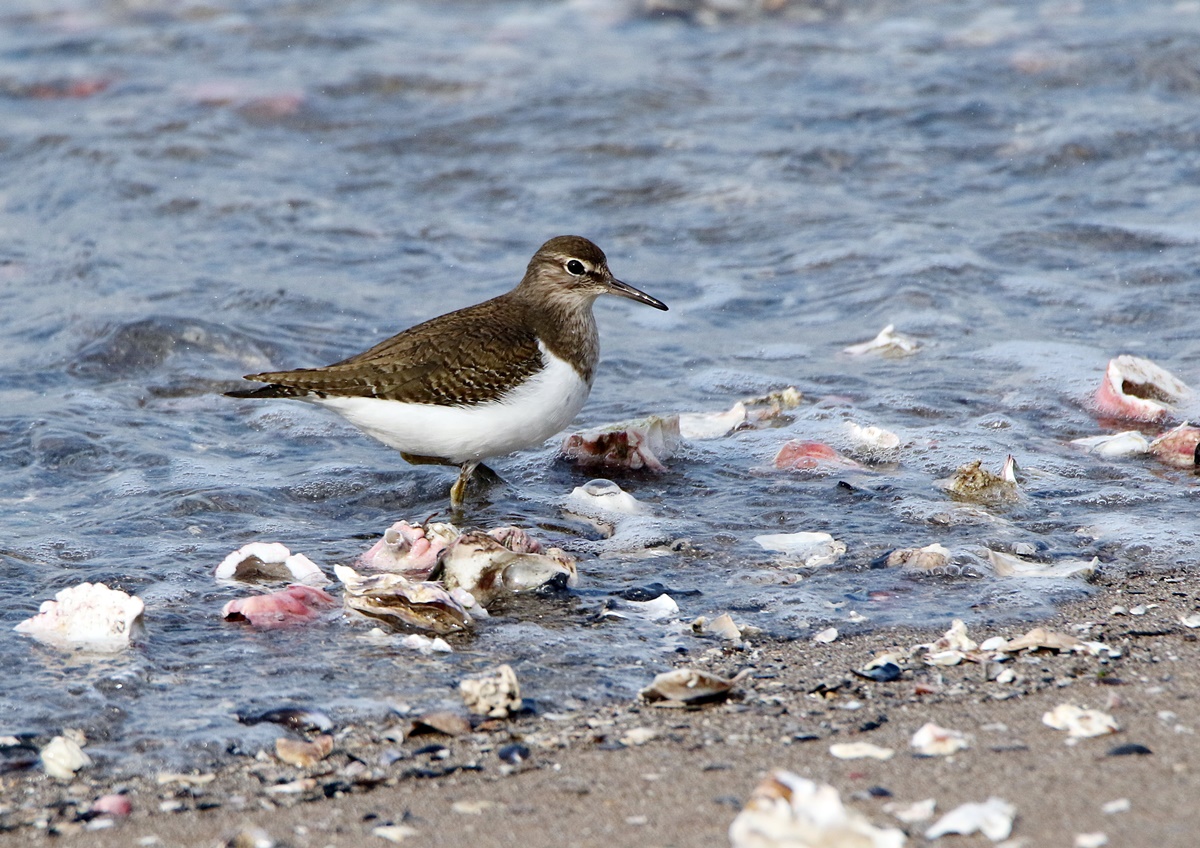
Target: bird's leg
[[458, 492]]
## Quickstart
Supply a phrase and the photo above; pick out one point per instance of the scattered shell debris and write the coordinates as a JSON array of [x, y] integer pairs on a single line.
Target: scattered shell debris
[[887, 343], [496, 693], [264, 562], [993, 818], [644, 443], [789, 811], [689, 687], [1080, 723], [807, 549], [89, 616], [1138, 389]]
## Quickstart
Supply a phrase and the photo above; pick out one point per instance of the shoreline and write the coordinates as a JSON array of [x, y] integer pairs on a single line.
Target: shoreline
[[681, 775]]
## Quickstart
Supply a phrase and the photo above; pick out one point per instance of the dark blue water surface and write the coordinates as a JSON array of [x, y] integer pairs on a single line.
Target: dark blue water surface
[[194, 191]]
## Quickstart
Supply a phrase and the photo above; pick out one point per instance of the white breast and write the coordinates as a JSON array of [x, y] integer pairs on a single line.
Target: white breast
[[528, 415]]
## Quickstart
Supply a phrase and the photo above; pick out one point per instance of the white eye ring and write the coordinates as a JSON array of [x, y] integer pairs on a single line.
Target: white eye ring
[[575, 267]]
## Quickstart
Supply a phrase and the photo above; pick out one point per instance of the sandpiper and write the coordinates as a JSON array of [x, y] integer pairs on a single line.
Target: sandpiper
[[480, 382]]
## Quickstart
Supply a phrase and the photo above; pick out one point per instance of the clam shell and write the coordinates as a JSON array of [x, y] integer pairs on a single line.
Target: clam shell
[[688, 686], [402, 603], [89, 615]]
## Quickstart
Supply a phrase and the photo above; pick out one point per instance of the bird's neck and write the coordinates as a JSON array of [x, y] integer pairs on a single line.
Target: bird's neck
[[566, 326]]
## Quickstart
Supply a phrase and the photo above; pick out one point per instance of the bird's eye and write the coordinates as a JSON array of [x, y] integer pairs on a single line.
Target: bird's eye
[[576, 267]]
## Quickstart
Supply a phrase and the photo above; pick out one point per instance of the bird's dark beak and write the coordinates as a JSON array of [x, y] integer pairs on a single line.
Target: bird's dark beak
[[620, 289]]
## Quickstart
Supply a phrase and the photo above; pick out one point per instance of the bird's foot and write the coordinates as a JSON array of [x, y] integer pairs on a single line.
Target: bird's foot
[[481, 473]]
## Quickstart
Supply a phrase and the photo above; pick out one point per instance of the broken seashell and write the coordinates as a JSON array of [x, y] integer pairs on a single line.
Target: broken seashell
[[408, 549], [993, 818], [1040, 637], [723, 626], [888, 343], [297, 718], [114, 804], [829, 634], [972, 483], [954, 639], [479, 564], [425, 645], [929, 558], [1090, 840], [1080, 723], [265, 561], [810, 550], [1138, 389], [789, 811], [872, 440], [1179, 447], [934, 741], [1128, 443], [516, 539], [62, 757], [406, 604], [860, 750], [913, 813], [440, 721], [711, 425], [1191, 621], [288, 607], [688, 686], [797, 455], [89, 616], [660, 608], [302, 753], [644, 443], [496, 693], [1007, 565]]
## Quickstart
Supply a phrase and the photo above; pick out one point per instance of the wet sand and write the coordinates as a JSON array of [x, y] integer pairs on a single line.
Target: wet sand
[[583, 787]]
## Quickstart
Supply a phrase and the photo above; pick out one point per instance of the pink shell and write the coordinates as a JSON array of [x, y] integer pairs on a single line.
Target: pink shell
[[804, 456], [288, 607]]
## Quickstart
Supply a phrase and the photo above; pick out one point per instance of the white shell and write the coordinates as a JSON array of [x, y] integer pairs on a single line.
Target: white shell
[[789, 811], [603, 498], [934, 741], [402, 603], [62, 757], [496, 694], [260, 561], [482, 566], [711, 425], [872, 439], [888, 343], [993, 818], [90, 616], [1080, 723], [860, 751], [1129, 443], [808, 549], [643, 443], [1007, 565]]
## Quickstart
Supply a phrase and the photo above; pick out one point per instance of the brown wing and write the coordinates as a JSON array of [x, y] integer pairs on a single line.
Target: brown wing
[[463, 358]]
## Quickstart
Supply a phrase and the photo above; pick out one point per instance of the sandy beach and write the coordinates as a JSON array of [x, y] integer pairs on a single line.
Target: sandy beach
[[681, 775]]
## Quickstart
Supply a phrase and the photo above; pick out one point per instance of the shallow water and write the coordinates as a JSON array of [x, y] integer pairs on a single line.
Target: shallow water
[[196, 191]]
